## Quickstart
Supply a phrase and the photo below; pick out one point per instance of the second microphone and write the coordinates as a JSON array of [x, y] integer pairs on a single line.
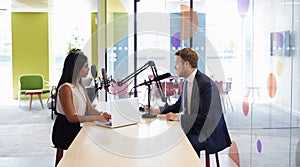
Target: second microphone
[[158, 78]]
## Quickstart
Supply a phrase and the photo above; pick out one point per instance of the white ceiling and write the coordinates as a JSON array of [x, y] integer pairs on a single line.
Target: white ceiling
[[48, 5]]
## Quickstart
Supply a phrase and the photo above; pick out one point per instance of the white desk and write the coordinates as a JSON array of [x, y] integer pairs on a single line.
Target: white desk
[[155, 142]]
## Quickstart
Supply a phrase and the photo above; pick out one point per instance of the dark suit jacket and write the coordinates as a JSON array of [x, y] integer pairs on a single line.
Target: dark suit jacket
[[206, 120]]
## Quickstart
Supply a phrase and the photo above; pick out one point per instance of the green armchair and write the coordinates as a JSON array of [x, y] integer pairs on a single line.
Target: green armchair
[[32, 84]]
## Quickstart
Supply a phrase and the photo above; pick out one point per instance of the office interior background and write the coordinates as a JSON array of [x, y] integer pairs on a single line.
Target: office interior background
[[253, 45]]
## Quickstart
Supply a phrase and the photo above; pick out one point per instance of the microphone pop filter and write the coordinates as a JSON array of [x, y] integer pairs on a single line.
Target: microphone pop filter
[[105, 80], [93, 70]]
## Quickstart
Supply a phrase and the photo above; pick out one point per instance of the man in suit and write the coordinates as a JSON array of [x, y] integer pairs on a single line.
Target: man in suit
[[199, 106]]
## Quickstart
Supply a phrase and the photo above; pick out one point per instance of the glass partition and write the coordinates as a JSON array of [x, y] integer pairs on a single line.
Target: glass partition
[[249, 46]]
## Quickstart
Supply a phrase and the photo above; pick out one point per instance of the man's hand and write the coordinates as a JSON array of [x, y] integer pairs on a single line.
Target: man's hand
[[172, 117]]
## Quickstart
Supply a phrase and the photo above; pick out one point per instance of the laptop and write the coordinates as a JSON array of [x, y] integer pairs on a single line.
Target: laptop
[[123, 112]]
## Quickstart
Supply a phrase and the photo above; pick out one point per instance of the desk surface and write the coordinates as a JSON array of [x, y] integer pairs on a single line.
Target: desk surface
[[153, 142]]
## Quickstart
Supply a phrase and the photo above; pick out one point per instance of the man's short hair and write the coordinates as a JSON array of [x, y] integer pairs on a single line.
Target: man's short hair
[[187, 54]]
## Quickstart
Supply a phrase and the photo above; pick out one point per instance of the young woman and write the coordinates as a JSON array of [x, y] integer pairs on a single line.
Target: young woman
[[72, 103]]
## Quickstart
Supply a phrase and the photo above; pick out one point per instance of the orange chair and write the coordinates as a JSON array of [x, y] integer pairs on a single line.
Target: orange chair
[[224, 88], [120, 91], [168, 88], [178, 85]]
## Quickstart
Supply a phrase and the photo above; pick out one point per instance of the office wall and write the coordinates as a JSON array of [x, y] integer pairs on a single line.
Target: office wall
[[263, 123], [31, 42], [30, 49]]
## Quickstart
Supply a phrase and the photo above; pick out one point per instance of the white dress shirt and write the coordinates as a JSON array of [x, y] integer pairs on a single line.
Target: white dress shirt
[[190, 81]]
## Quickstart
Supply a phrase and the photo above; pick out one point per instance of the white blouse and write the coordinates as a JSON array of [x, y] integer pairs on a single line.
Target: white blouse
[[79, 100]]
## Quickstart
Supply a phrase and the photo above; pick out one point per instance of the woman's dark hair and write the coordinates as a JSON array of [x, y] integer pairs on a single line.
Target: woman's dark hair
[[72, 66]]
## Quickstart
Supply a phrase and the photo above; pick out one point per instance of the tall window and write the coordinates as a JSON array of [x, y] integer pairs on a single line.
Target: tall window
[[70, 28], [5, 57]]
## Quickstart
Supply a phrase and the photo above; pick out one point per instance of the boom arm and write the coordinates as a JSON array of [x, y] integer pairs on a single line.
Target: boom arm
[[150, 64]]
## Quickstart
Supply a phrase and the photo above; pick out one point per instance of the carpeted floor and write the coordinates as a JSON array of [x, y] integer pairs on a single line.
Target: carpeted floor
[[25, 133]]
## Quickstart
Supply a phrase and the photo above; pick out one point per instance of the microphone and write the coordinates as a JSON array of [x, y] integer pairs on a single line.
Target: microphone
[[105, 80], [93, 71], [94, 75], [158, 78]]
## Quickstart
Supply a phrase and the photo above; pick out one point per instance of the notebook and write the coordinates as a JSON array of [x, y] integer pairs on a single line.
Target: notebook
[[123, 112]]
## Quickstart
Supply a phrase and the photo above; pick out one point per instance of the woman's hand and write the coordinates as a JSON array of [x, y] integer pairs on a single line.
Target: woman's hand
[[106, 116], [100, 118], [103, 117]]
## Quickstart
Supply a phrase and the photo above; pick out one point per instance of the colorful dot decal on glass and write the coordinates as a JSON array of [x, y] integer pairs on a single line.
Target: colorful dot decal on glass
[[272, 85], [243, 6], [245, 106], [279, 68], [255, 135], [259, 146], [234, 153], [188, 22], [175, 40]]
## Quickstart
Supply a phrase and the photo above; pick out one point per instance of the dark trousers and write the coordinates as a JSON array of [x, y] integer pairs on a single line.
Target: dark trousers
[[194, 140]]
